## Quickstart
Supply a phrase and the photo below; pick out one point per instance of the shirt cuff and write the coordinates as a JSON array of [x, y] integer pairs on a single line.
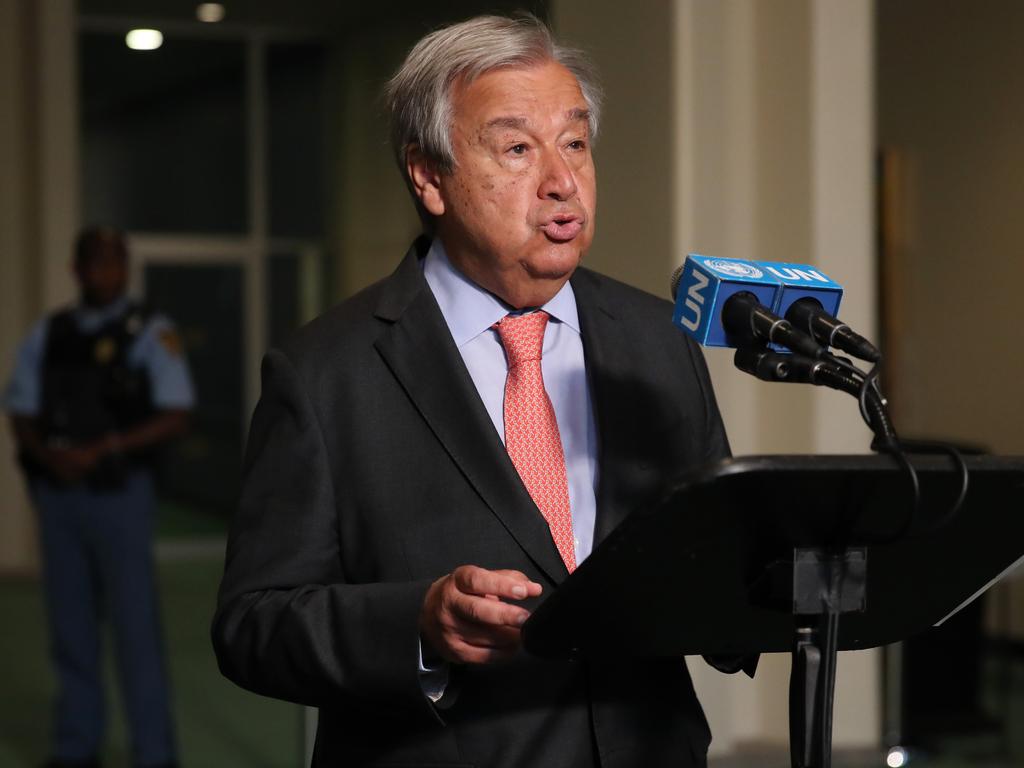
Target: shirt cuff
[[433, 680]]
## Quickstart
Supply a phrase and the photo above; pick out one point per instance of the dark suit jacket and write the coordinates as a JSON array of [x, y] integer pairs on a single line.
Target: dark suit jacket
[[372, 469]]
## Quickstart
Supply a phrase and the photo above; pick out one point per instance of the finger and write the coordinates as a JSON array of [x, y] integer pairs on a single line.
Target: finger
[[511, 585], [533, 589], [480, 610]]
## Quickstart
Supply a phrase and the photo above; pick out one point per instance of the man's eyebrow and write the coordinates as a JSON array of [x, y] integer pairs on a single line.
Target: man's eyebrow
[[507, 121], [515, 122], [577, 114]]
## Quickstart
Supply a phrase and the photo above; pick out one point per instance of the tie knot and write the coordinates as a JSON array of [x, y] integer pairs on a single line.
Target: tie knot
[[522, 336]]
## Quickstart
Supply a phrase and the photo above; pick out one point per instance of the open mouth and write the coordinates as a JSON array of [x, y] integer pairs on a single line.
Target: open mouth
[[562, 229]]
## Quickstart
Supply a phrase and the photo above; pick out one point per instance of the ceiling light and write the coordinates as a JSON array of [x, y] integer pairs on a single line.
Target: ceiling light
[[210, 12], [144, 39]]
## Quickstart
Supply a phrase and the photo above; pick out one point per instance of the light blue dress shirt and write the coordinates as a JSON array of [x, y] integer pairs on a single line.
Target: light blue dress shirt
[[168, 371], [470, 311]]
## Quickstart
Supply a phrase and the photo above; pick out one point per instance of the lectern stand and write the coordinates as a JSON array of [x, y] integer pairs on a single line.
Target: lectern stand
[[800, 554]]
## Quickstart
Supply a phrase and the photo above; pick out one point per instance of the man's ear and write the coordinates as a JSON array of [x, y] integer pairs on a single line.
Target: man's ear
[[425, 179]]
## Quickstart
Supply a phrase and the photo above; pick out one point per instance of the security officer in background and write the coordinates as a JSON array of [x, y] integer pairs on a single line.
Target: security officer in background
[[97, 388]]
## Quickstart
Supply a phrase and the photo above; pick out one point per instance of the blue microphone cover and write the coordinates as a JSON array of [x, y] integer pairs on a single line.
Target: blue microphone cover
[[800, 281], [706, 284]]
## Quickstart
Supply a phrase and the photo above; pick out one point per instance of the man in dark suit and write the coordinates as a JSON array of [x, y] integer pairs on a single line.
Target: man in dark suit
[[432, 456]]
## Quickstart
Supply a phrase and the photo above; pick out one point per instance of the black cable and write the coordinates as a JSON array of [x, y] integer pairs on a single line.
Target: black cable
[[886, 440], [965, 482], [897, 452], [870, 382], [846, 364], [840, 373], [831, 604], [934, 447], [876, 416], [829, 681], [874, 412]]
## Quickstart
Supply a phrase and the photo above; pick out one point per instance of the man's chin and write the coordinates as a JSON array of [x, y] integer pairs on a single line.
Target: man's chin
[[556, 262]]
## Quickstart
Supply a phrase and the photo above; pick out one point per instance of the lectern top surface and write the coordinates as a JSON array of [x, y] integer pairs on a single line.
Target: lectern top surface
[[689, 576]]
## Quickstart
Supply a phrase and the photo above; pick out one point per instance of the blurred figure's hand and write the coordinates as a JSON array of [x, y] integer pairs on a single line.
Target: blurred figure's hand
[[71, 465]]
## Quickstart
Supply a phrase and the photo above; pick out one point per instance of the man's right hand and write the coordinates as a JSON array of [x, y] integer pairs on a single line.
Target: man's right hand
[[71, 465], [465, 618]]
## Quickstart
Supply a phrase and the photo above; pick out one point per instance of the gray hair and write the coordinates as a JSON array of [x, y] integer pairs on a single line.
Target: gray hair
[[418, 96]]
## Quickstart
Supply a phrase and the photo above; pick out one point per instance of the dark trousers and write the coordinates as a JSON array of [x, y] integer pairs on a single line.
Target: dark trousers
[[98, 564]]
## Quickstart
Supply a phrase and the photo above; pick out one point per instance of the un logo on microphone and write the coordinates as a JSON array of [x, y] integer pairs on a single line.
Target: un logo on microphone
[[734, 268]]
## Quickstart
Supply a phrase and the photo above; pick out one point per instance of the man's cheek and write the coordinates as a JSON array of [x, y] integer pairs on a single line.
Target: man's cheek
[[503, 197]]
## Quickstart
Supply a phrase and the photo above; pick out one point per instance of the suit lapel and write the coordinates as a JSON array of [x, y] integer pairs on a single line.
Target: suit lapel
[[418, 348], [607, 351]]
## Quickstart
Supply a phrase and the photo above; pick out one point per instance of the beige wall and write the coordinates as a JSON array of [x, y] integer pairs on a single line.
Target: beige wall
[[38, 209], [17, 245], [950, 114], [950, 105], [373, 221]]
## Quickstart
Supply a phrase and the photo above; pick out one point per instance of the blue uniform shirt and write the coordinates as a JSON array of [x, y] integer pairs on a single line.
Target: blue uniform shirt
[[156, 349]]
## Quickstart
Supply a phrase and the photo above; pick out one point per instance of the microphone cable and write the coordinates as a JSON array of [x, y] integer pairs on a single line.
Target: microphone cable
[[874, 411], [840, 373]]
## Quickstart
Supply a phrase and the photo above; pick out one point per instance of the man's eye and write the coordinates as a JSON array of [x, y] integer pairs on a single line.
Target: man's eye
[[578, 145], [518, 149]]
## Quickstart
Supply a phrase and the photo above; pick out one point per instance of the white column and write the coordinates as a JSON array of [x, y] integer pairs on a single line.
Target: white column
[[38, 210], [842, 99], [842, 179], [17, 525], [56, 84], [373, 220]]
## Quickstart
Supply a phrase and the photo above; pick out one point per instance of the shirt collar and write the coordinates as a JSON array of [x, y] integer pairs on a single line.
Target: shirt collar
[[92, 318], [469, 310]]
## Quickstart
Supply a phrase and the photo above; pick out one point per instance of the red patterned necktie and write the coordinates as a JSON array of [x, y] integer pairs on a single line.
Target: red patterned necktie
[[531, 431]]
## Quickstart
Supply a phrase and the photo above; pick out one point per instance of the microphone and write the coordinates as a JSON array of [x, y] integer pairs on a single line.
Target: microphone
[[768, 365], [810, 316], [810, 301], [746, 322], [726, 303], [800, 281]]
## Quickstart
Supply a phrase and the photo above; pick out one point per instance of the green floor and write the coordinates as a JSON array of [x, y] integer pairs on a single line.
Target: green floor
[[218, 724]]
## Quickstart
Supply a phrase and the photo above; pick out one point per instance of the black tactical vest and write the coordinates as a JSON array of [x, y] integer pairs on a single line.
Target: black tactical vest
[[89, 388]]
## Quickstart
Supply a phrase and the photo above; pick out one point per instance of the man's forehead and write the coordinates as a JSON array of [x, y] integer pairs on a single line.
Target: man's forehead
[[502, 96]]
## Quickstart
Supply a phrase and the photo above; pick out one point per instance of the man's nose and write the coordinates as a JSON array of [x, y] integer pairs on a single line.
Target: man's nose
[[558, 181]]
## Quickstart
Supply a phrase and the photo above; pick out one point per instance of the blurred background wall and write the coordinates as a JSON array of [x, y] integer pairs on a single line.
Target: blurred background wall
[[248, 161]]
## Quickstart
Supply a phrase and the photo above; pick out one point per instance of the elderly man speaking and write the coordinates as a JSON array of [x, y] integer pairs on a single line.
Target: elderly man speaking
[[434, 455]]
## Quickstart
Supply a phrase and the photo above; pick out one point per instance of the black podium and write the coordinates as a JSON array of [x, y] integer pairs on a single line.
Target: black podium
[[800, 554]]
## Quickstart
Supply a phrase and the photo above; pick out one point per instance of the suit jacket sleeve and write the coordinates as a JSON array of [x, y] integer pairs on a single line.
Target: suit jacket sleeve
[[288, 624]]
